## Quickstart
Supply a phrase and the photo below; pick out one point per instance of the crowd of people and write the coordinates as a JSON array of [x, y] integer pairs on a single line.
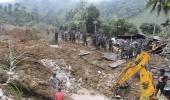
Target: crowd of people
[[99, 41], [127, 48], [75, 37], [130, 49]]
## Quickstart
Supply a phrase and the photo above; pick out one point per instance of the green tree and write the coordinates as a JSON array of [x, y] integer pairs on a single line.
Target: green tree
[[10, 8], [122, 27], [105, 29], [70, 15], [5, 8], [92, 15], [77, 16], [73, 25], [148, 28], [159, 5], [1, 7]]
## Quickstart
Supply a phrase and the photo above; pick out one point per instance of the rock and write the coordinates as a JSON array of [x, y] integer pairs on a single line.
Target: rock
[[110, 56], [54, 46], [99, 72], [84, 53], [94, 62]]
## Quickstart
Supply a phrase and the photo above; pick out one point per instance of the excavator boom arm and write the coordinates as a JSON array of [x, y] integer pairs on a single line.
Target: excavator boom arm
[[146, 84], [146, 79], [132, 69]]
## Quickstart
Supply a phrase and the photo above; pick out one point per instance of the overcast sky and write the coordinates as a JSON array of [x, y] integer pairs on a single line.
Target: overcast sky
[[14, 0], [6, 0]]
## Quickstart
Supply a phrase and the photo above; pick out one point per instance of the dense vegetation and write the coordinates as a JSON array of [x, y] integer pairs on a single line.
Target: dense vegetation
[[17, 15], [109, 17]]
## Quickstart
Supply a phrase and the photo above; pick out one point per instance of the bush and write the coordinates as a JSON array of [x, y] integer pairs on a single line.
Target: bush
[[147, 28]]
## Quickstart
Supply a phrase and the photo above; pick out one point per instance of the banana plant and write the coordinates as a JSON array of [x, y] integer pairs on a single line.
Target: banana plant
[[14, 91]]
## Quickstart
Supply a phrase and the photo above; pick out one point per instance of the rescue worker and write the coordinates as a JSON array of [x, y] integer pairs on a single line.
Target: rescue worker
[[162, 79], [73, 37], [94, 40], [56, 37], [70, 36], [110, 45], [62, 35], [78, 37], [85, 39], [98, 42], [59, 95], [54, 82], [48, 32], [66, 36], [130, 53], [103, 43]]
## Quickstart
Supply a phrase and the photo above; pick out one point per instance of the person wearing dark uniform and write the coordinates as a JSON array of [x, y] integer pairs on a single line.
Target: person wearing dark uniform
[[110, 45], [56, 37], [85, 39], [62, 36], [66, 36], [130, 53], [162, 79], [74, 38]]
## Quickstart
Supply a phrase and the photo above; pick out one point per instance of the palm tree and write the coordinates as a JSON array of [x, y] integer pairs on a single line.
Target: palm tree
[[159, 5]]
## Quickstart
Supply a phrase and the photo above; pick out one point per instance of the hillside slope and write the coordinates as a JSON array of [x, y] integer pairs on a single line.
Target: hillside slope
[[108, 9], [148, 17]]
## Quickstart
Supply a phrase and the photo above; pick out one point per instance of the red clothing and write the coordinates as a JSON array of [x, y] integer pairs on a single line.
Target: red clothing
[[59, 96]]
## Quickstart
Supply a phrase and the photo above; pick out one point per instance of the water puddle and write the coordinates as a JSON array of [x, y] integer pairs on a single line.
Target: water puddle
[[84, 94]]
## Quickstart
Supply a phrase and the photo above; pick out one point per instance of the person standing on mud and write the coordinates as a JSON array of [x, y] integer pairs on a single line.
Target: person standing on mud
[[110, 45], [65, 36], [85, 39], [162, 79], [59, 95], [54, 82], [47, 32], [62, 36], [56, 37], [73, 37]]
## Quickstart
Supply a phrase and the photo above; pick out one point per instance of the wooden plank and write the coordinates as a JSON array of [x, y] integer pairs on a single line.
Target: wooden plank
[[1, 92], [117, 63], [84, 53], [110, 56]]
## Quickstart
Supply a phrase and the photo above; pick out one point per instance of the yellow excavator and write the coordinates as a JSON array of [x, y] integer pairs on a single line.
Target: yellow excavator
[[147, 86]]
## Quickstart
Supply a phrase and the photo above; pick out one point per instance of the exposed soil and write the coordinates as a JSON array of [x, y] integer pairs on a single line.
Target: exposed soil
[[91, 71]]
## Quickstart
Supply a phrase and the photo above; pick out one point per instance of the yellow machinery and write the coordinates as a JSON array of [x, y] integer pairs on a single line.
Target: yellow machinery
[[146, 79]]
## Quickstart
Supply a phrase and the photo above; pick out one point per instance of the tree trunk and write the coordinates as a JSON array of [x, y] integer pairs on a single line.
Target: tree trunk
[[154, 30]]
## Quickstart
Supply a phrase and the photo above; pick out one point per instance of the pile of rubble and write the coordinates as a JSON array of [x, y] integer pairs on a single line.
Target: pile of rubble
[[63, 73]]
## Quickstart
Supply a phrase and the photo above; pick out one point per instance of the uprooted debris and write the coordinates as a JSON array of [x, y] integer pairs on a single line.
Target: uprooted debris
[[3, 96], [84, 53], [63, 73], [117, 63], [110, 56], [91, 73]]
